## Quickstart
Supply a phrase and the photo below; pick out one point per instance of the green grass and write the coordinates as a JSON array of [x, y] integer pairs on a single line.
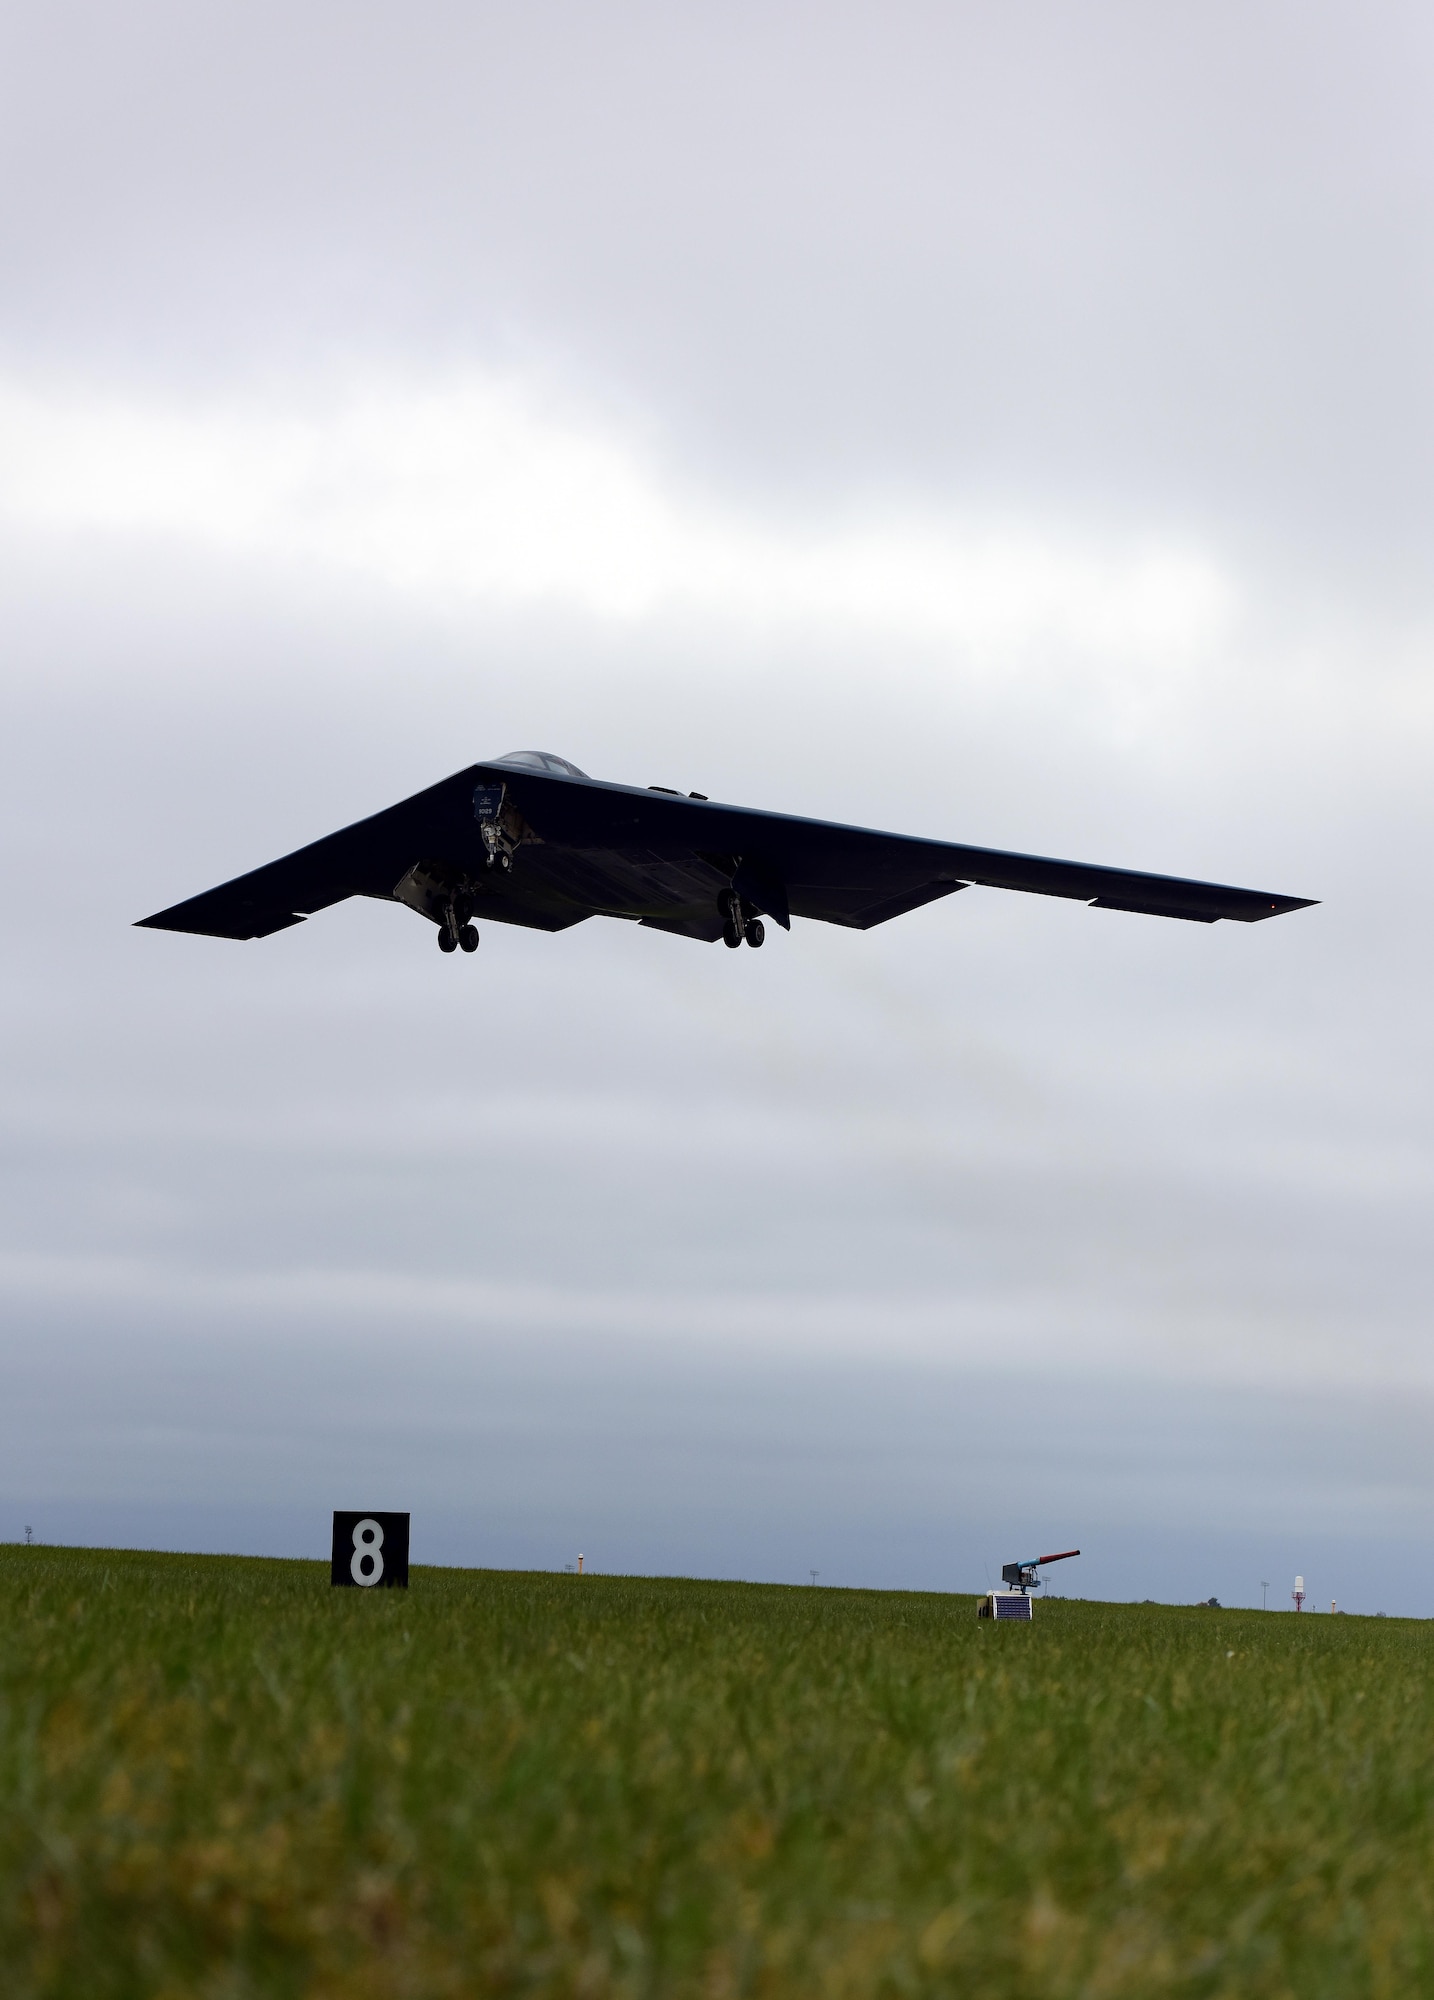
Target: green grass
[[221, 1778]]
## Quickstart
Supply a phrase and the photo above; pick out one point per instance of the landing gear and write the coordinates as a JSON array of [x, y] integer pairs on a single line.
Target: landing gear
[[455, 929], [739, 920], [499, 839]]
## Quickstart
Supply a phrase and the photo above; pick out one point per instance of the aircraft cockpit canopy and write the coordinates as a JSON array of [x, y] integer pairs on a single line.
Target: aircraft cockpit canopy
[[542, 760]]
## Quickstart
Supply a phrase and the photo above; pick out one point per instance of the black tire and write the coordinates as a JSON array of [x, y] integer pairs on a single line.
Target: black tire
[[756, 931], [447, 941], [505, 862], [731, 936], [468, 937]]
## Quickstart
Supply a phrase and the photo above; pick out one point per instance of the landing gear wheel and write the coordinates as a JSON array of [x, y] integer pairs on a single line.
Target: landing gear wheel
[[505, 862], [755, 932], [731, 936], [468, 937], [447, 941]]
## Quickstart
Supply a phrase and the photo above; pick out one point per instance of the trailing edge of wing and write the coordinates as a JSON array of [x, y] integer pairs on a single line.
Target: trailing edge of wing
[[1155, 910], [234, 910], [216, 915], [1125, 889], [896, 906]]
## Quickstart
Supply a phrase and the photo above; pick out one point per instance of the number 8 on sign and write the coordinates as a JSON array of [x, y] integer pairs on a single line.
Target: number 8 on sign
[[370, 1549], [366, 1563]]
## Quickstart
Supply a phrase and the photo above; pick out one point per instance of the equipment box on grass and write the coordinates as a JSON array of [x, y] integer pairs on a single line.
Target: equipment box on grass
[[1004, 1604]]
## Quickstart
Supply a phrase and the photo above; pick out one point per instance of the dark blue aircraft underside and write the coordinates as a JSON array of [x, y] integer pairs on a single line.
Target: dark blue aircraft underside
[[528, 839]]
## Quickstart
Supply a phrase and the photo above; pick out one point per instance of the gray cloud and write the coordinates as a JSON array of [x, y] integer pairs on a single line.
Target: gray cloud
[[1121, 261]]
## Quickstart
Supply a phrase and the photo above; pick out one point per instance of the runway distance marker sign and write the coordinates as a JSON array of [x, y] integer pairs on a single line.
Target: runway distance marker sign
[[370, 1551]]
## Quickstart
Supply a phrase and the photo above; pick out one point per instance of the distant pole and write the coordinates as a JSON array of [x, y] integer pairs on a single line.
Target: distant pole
[[580, 1565], [814, 1574], [29, 1535], [1264, 1591]]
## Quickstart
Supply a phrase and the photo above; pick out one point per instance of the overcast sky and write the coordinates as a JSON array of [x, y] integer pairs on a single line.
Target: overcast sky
[[1008, 425]]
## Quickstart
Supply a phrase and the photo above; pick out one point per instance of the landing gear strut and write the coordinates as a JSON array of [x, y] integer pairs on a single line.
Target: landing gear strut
[[455, 931], [739, 920], [498, 843]]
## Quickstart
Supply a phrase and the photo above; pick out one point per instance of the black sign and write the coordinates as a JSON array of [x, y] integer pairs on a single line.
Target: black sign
[[370, 1549]]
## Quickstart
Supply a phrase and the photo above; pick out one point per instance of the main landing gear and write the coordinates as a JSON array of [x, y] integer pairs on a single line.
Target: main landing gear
[[455, 933], [739, 920]]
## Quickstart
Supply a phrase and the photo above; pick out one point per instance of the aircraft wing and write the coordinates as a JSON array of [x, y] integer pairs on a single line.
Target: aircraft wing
[[366, 859], [845, 874], [371, 858], [574, 847]]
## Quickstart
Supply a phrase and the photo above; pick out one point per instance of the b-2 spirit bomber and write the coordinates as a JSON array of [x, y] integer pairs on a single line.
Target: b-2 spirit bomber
[[530, 839]]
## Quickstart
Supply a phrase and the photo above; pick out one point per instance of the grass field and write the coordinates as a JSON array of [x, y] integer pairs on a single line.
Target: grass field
[[220, 1778]]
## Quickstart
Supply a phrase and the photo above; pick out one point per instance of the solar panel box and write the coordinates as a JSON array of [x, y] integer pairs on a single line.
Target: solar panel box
[[1005, 1604]]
